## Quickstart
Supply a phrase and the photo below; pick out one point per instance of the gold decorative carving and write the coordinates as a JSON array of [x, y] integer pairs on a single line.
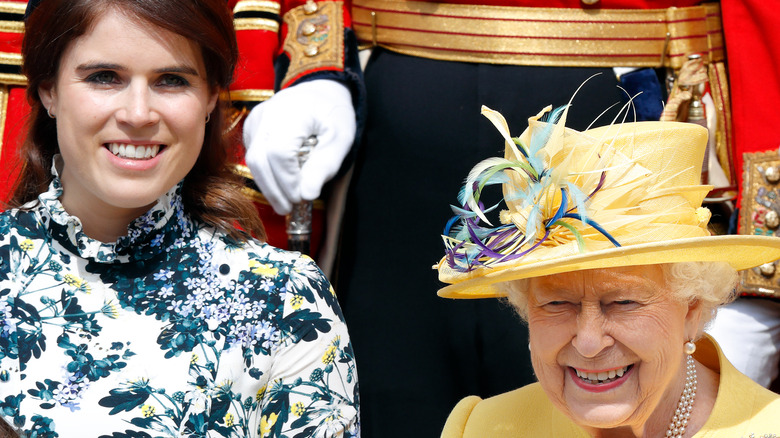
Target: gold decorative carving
[[315, 40], [759, 214]]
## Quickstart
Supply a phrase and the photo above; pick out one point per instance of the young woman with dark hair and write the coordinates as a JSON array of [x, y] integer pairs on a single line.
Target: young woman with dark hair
[[131, 304]]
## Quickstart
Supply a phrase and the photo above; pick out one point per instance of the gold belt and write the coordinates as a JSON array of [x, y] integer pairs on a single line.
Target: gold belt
[[568, 37]]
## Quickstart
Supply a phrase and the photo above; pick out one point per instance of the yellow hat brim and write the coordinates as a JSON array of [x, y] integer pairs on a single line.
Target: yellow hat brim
[[741, 252]]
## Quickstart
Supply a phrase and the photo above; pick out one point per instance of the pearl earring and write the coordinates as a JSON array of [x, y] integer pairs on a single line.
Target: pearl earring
[[690, 347]]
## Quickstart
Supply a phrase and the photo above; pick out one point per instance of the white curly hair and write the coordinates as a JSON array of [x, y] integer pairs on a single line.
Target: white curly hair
[[712, 284]]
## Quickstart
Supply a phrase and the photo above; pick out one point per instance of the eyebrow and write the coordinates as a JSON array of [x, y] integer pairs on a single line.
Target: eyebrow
[[181, 69]]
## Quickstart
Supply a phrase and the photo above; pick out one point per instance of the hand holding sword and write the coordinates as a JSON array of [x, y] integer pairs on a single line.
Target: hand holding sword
[[288, 170]]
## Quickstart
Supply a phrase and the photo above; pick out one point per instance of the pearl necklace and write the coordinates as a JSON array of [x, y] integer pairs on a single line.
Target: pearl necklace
[[685, 406]]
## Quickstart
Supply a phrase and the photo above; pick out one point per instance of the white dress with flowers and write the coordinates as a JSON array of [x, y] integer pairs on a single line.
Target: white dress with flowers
[[173, 330]]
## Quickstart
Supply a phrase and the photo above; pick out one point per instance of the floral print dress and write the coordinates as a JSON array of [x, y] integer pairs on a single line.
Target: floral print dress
[[173, 330]]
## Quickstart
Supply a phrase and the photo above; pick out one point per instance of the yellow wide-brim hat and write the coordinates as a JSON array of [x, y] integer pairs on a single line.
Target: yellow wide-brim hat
[[621, 195]]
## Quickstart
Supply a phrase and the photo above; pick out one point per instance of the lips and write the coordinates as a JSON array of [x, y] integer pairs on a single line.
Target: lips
[[134, 152]]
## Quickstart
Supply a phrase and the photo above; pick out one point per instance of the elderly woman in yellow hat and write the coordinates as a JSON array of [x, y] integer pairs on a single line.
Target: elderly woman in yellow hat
[[602, 246]]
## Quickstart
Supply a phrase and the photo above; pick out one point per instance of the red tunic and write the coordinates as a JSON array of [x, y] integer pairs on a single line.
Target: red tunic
[[753, 50]]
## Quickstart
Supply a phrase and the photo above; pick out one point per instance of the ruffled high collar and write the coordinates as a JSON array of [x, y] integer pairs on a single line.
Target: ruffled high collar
[[146, 236]]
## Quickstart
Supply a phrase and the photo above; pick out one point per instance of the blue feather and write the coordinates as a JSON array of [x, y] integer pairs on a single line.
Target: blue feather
[[539, 138]]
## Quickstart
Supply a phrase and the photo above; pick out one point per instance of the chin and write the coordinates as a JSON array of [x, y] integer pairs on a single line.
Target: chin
[[604, 416], [137, 202]]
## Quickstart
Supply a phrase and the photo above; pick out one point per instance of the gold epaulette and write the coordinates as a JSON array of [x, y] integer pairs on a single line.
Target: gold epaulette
[[315, 38], [760, 215]]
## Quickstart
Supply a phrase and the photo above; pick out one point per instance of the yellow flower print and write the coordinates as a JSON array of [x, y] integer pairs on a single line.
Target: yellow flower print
[[229, 419], [78, 283], [333, 416], [226, 385], [330, 352], [26, 245], [332, 291], [72, 280], [330, 355], [147, 410], [261, 393], [266, 423], [194, 359], [296, 302], [298, 409], [85, 287], [263, 269], [140, 383], [110, 309]]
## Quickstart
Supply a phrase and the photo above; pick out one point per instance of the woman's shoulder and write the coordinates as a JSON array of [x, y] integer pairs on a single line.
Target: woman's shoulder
[[743, 407], [249, 247], [20, 224], [522, 412], [17, 217], [259, 261]]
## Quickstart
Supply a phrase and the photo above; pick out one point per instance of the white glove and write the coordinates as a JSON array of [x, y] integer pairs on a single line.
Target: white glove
[[275, 130]]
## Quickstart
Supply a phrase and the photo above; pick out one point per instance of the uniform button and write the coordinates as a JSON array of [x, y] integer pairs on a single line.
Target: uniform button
[[308, 28], [767, 269], [590, 2], [772, 174], [311, 50], [772, 219]]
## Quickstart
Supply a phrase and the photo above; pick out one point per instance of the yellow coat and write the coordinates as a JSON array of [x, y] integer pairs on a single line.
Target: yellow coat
[[743, 409]]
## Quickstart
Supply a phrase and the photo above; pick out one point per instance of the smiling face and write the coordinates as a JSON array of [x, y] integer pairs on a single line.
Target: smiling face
[[607, 345], [131, 101]]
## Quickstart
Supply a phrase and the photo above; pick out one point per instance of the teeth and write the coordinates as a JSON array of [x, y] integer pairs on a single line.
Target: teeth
[[137, 152], [601, 377]]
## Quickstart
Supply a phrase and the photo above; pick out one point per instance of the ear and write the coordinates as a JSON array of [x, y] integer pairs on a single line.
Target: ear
[[693, 320], [213, 99], [48, 95]]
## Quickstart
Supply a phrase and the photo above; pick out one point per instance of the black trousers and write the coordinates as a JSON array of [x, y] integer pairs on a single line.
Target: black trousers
[[418, 354]]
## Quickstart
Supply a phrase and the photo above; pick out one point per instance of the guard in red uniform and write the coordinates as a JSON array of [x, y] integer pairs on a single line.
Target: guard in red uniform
[[432, 66], [748, 330]]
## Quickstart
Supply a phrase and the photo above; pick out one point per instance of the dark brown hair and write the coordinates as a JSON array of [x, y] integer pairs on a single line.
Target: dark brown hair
[[211, 191]]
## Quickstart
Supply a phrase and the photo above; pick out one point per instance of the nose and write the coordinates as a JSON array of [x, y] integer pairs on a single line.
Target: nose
[[591, 337], [137, 106]]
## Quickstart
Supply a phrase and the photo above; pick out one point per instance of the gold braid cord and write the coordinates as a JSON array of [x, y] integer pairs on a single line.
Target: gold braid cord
[[315, 38], [3, 112], [724, 138]]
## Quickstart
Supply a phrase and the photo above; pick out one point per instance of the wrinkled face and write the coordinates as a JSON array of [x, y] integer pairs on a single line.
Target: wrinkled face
[[607, 344], [131, 101]]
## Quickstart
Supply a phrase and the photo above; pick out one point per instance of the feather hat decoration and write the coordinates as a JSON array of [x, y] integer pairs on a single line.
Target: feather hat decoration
[[618, 195]]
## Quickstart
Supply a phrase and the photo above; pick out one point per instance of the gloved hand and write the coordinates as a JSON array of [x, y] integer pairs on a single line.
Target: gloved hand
[[275, 130]]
